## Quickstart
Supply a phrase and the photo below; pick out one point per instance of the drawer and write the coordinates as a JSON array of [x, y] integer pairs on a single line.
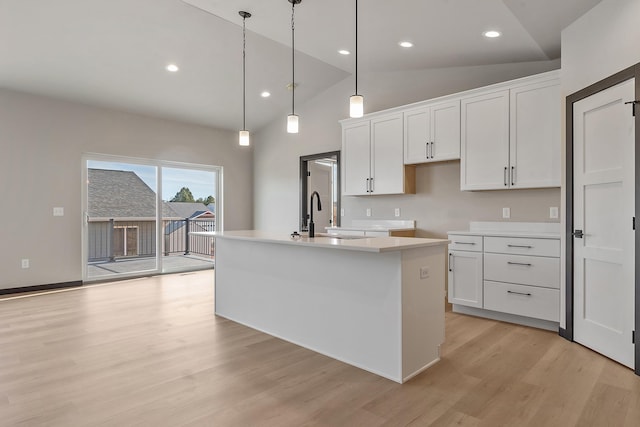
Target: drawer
[[462, 242], [530, 301], [522, 246], [522, 269]]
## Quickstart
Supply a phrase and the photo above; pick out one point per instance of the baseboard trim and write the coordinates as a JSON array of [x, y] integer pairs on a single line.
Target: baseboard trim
[[506, 317], [36, 288]]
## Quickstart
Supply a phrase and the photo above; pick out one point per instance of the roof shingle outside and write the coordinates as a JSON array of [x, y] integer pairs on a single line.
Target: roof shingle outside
[[122, 194]]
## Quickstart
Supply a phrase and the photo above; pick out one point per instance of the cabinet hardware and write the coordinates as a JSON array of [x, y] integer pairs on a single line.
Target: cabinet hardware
[[450, 262], [519, 263], [371, 184], [513, 170], [368, 191], [504, 176], [432, 149], [520, 246], [519, 293], [578, 234], [464, 243], [426, 149], [633, 106]]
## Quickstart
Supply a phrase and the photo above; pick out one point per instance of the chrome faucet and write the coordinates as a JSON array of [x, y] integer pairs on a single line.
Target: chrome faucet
[[312, 228]]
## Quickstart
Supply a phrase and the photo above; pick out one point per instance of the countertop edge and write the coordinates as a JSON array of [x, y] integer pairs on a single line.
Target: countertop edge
[[371, 244]]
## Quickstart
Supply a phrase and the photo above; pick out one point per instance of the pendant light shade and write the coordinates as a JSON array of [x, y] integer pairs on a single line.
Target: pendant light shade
[[243, 138], [292, 123], [356, 101], [356, 106], [243, 135], [292, 119]]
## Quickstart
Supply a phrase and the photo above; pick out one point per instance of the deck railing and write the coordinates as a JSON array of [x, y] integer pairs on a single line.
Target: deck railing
[[113, 239]]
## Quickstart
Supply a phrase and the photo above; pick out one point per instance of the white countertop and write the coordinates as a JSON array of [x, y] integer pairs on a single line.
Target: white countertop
[[534, 230], [371, 244]]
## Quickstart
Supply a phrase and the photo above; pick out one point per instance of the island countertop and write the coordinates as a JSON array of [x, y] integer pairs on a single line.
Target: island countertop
[[371, 244]]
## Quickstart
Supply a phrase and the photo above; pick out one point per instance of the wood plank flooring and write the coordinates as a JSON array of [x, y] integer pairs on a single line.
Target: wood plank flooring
[[150, 352]]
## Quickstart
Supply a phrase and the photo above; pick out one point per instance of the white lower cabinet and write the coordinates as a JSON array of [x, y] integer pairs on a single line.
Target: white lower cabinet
[[515, 275], [465, 270], [529, 301]]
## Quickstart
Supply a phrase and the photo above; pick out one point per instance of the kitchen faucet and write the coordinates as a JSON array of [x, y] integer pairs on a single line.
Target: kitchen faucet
[[312, 231]]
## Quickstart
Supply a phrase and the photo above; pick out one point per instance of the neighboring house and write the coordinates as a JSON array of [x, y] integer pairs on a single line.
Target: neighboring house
[[122, 217]]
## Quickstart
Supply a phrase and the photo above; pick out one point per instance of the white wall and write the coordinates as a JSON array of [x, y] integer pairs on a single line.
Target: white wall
[[599, 44], [42, 141], [439, 205]]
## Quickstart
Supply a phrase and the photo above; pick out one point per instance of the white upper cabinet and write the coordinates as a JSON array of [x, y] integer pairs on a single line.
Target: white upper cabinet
[[372, 157], [387, 166], [356, 157], [432, 133], [484, 157], [511, 138], [535, 135]]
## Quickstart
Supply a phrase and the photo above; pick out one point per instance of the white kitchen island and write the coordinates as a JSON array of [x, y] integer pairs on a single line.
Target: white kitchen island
[[375, 303]]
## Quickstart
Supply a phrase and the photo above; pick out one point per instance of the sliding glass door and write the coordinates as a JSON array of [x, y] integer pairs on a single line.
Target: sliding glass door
[[140, 215]]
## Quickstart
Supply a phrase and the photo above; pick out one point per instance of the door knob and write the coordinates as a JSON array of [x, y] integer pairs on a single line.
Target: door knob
[[578, 234]]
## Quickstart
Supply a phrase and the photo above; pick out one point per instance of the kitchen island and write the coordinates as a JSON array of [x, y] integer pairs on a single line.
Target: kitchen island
[[375, 303]]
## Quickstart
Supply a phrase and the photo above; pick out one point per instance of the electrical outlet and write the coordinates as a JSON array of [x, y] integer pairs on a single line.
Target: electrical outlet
[[397, 212], [506, 213], [553, 212], [58, 211], [424, 272], [25, 263], [341, 211], [368, 211]]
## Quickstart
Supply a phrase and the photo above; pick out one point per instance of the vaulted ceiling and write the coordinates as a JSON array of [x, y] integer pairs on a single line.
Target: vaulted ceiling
[[114, 53]]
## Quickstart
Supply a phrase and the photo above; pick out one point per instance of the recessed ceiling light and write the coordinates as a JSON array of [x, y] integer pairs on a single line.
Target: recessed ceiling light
[[172, 68], [343, 52], [491, 34], [405, 44], [265, 94]]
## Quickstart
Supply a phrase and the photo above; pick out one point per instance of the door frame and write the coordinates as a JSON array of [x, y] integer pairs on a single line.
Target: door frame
[[626, 74], [303, 184]]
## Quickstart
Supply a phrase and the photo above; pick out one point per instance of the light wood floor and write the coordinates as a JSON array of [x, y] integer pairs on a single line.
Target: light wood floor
[[150, 352]]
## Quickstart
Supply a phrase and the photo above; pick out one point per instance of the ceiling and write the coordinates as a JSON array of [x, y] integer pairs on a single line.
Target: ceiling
[[114, 53]]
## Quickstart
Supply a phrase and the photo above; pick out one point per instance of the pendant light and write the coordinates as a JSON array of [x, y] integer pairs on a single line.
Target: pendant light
[[356, 102], [243, 136], [292, 119]]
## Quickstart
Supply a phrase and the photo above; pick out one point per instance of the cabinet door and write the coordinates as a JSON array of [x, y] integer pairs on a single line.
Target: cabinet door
[[445, 131], [387, 159], [355, 158], [535, 135], [417, 134], [484, 157], [465, 278]]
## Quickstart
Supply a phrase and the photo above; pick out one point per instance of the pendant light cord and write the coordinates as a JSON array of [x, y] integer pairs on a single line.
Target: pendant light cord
[[293, 62], [356, 47], [244, 74]]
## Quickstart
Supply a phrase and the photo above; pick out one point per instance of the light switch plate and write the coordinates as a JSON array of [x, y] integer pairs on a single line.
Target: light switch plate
[[506, 213], [553, 212], [397, 212], [25, 263], [58, 211], [341, 211], [368, 211], [424, 272]]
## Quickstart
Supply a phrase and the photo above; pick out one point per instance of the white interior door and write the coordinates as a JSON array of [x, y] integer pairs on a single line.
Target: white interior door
[[604, 197]]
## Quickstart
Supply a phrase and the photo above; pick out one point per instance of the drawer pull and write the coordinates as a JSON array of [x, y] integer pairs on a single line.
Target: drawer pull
[[463, 243], [519, 263], [519, 293], [520, 246]]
